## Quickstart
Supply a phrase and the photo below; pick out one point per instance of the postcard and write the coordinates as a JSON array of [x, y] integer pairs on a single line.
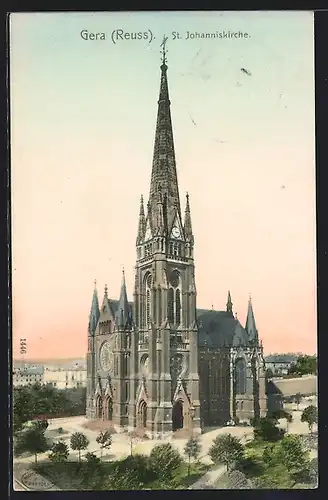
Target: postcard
[[163, 251]]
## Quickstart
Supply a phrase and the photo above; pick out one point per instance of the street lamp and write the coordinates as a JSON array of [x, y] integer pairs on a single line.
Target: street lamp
[[192, 415]]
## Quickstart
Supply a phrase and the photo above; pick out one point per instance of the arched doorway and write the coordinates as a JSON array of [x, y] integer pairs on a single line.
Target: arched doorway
[[109, 408], [142, 414], [177, 416], [99, 407]]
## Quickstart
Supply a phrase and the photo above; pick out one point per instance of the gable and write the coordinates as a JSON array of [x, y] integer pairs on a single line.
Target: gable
[[106, 311], [177, 229]]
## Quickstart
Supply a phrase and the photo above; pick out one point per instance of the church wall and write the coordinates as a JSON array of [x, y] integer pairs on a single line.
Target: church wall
[[214, 375]]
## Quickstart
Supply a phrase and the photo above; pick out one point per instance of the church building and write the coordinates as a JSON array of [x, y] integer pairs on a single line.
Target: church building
[[159, 364]]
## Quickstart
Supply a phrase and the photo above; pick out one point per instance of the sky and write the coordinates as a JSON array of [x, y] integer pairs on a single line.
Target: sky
[[83, 115]]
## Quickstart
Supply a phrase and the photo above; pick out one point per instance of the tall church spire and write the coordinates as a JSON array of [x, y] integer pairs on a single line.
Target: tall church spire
[[142, 222], [164, 182], [94, 312], [123, 314], [229, 303], [250, 323]]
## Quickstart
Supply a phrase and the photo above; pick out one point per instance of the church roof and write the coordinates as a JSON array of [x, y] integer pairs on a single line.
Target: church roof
[[219, 329], [216, 328]]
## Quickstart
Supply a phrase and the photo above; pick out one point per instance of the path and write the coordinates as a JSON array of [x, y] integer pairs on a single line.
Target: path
[[209, 478]]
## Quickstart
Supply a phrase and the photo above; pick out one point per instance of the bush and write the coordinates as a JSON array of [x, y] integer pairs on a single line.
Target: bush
[[237, 481], [59, 452], [266, 429], [249, 466]]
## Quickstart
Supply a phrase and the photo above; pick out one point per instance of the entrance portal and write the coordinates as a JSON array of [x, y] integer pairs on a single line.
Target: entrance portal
[[109, 408], [142, 414], [177, 416], [99, 408]]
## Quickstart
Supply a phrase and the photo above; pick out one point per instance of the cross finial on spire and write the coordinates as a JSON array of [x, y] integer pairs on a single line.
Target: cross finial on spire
[[95, 282], [164, 51], [106, 291]]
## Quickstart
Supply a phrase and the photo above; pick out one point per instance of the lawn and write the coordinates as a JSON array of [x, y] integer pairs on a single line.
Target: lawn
[[72, 476]]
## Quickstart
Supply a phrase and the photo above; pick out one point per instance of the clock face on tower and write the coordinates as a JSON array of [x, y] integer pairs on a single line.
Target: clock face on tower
[[176, 232], [106, 356]]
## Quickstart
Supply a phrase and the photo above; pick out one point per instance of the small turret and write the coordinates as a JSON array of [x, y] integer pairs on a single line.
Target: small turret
[[187, 222], [94, 312], [123, 314], [229, 303], [250, 324], [142, 222]]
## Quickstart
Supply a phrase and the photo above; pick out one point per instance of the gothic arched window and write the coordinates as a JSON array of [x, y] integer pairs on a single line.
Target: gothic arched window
[[148, 306], [170, 303], [125, 365], [177, 307], [146, 302], [159, 295], [240, 370]]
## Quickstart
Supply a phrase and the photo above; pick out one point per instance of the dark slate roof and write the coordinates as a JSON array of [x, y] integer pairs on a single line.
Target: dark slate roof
[[219, 329], [114, 305]]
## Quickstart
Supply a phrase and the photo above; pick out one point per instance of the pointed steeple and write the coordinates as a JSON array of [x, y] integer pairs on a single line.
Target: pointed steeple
[[187, 221], [229, 303], [142, 222], [164, 182], [94, 312], [250, 323], [123, 314]]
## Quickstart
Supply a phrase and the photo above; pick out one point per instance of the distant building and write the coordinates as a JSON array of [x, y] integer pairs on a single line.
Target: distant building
[[280, 391], [27, 375], [279, 365], [65, 379]]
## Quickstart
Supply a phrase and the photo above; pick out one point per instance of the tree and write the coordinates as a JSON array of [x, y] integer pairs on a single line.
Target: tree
[[21, 408], [104, 438], [298, 399], [59, 452], [79, 442], [265, 428], [31, 440], [304, 365], [310, 416], [192, 450], [165, 460], [268, 373], [226, 449], [291, 453], [289, 419]]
